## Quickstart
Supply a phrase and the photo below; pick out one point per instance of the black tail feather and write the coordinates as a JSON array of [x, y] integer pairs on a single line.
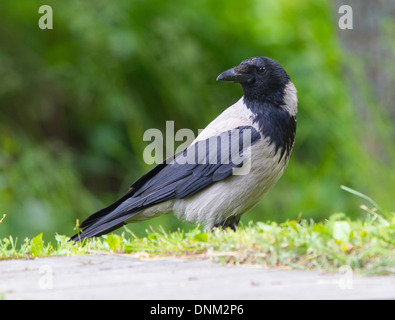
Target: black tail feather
[[103, 212], [93, 221]]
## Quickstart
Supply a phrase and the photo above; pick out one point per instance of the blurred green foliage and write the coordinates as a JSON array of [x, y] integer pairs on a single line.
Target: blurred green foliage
[[76, 100]]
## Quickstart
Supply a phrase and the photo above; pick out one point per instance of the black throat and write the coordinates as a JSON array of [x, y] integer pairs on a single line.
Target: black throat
[[274, 121]]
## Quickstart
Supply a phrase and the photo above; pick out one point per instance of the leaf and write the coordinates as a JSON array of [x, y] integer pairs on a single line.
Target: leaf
[[202, 237], [361, 195], [341, 230], [114, 242], [36, 247], [338, 216], [61, 239]]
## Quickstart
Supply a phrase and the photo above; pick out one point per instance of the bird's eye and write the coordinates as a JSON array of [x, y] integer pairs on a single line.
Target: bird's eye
[[261, 68]]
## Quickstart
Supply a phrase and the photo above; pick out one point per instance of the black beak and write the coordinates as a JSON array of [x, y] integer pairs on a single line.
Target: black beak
[[232, 75]]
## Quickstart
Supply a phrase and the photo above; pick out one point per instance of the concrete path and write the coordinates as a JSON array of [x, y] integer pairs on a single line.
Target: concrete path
[[123, 277]]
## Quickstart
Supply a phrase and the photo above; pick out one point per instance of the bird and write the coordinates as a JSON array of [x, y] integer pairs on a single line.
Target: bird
[[198, 187]]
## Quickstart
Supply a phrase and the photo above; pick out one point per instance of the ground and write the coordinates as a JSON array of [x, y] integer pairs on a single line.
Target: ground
[[126, 277]]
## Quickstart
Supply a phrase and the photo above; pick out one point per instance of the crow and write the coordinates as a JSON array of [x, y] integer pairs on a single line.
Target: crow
[[227, 169]]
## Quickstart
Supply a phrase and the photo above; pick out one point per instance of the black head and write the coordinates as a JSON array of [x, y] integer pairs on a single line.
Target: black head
[[261, 78]]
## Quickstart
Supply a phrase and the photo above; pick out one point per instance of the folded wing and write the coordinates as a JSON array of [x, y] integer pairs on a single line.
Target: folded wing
[[197, 167]]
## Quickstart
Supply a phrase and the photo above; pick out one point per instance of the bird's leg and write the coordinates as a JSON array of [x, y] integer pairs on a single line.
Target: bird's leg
[[231, 223]]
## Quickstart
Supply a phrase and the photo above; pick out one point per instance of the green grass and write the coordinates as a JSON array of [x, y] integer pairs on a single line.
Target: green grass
[[366, 245]]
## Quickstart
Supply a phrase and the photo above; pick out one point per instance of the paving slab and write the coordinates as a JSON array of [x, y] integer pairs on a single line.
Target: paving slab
[[125, 277]]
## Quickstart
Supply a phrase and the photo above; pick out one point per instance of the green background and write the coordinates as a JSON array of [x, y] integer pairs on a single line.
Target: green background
[[75, 101]]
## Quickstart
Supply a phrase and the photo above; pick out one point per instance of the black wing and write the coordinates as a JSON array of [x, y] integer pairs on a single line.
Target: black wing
[[200, 165]]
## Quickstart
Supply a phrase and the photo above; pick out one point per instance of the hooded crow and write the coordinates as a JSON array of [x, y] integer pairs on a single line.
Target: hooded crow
[[202, 184]]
